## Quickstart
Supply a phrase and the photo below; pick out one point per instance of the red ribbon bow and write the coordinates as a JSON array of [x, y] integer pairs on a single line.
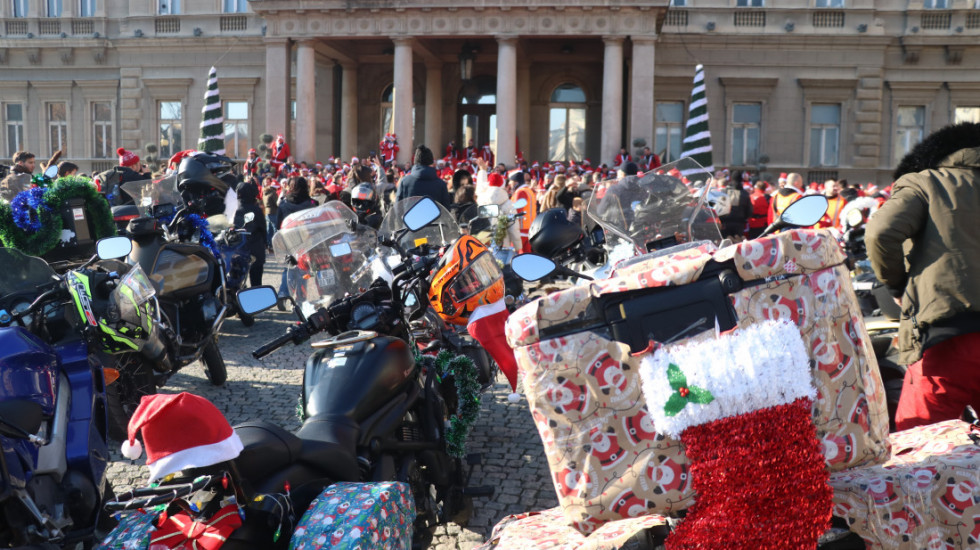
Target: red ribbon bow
[[183, 531]]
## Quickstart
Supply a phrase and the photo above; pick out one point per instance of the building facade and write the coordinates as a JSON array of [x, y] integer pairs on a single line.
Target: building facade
[[828, 88]]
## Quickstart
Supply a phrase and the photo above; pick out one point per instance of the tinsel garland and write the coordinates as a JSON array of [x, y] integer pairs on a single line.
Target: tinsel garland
[[500, 230], [463, 372], [46, 212], [760, 480], [203, 228]]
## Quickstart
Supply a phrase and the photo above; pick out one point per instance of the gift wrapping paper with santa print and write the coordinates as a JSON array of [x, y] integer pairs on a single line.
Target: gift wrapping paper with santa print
[[607, 458], [927, 496], [548, 530], [358, 516]]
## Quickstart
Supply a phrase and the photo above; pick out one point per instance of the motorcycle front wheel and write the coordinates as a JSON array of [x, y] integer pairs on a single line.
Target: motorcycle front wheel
[[214, 363], [123, 396]]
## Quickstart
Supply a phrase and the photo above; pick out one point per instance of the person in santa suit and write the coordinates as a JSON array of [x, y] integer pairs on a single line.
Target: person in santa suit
[[471, 151], [454, 155], [649, 161], [389, 148], [622, 158], [280, 153], [252, 163], [486, 153]]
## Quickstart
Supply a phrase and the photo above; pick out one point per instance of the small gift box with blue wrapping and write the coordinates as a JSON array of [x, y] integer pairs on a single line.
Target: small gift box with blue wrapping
[[353, 516]]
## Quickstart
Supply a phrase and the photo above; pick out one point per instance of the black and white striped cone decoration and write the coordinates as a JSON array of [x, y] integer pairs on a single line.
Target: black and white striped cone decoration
[[697, 138], [212, 119]]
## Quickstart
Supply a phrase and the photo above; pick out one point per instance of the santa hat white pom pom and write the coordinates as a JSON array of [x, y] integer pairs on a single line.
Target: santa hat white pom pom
[[513, 398], [133, 451]]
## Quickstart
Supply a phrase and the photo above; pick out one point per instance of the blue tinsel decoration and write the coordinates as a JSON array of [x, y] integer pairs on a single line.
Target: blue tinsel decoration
[[24, 207], [206, 239]]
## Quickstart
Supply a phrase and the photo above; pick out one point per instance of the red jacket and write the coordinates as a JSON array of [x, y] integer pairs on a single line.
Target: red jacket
[[760, 209]]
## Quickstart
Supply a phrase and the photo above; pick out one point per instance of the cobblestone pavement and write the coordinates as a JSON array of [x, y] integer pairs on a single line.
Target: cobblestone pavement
[[513, 457]]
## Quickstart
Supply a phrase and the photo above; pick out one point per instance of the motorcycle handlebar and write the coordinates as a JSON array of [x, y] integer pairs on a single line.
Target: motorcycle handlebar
[[295, 334]]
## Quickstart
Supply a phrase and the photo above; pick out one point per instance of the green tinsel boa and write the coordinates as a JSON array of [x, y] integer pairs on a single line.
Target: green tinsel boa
[[463, 372], [55, 198]]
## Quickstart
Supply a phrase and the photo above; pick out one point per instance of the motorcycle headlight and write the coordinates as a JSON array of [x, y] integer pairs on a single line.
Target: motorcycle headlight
[[854, 218]]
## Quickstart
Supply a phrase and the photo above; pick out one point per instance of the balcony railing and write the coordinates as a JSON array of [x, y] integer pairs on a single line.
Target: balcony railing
[[676, 18], [750, 18], [82, 26], [828, 19], [166, 25], [936, 21], [49, 26], [232, 23], [16, 27]]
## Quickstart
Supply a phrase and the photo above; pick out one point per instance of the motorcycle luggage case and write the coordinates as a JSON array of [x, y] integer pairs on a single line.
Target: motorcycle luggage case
[[579, 358], [75, 219], [356, 378]]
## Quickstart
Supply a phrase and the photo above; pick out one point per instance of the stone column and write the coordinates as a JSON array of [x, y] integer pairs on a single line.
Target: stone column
[[506, 99], [348, 112], [305, 140], [641, 91], [402, 100], [612, 98], [523, 142], [277, 87], [433, 108]]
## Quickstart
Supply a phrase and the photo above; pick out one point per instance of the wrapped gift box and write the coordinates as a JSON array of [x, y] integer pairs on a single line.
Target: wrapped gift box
[[349, 516]]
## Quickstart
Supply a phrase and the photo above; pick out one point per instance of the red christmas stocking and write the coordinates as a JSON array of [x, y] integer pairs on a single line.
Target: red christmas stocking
[[740, 403], [486, 325]]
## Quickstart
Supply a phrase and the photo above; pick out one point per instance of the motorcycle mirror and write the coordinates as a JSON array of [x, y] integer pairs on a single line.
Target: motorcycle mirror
[[421, 214], [532, 267], [802, 213], [20, 418], [256, 299], [113, 247], [51, 172], [488, 211], [520, 203], [339, 250]]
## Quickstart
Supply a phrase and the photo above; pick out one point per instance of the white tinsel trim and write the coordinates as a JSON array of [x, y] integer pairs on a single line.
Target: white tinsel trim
[[761, 366]]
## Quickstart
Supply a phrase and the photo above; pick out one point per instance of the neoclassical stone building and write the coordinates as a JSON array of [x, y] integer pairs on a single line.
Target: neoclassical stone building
[[824, 87]]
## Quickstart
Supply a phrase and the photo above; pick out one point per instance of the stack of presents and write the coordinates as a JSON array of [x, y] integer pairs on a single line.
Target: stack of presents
[[691, 414]]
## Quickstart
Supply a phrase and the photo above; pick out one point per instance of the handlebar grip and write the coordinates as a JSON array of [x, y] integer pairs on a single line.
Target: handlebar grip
[[272, 346]]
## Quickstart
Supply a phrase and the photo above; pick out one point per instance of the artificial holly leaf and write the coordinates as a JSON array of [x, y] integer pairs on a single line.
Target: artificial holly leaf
[[699, 395], [676, 378], [674, 404]]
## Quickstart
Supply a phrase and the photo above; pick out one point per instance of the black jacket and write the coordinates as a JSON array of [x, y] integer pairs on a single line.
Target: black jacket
[[251, 218], [291, 204], [423, 181]]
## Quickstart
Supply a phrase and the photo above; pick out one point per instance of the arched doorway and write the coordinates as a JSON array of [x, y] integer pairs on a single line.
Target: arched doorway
[[477, 108]]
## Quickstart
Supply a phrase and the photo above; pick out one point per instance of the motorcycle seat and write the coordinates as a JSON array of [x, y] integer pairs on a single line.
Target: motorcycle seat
[[268, 448], [329, 445]]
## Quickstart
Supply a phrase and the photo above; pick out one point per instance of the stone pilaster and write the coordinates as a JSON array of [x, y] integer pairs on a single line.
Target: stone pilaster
[[131, 112], [868, 117]]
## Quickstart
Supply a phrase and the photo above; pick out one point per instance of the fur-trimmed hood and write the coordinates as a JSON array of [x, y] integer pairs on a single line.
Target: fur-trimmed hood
[[939, 146]]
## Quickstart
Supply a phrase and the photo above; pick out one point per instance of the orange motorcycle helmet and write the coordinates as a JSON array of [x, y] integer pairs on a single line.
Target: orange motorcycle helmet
[[466, 277]]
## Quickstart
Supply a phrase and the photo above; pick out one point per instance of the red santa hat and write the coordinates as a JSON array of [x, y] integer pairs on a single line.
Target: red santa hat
[[354, 160], [250, 151], [585, 162], [782, 176], [486, 325], [171, 448], [127, 158], [495, 180], [535, 165]]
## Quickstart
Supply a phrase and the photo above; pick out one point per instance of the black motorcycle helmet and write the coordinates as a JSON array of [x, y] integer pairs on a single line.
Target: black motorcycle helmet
[[203, 182], [363, 199], [551, 233]]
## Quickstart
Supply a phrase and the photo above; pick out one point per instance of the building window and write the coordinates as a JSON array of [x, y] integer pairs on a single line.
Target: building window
[[830, 3], [102, 130], [746, 126], [936, 4], [20, 8], [236, 6], [566, 138], [669, 130], [58, 126], [86, 8], [678, 3], [910, 125], [824, 134], [53, 8], [387, 112], [14, 119], [750, 3], [967, 114], [236, 129], [168, 7], [171, 127]]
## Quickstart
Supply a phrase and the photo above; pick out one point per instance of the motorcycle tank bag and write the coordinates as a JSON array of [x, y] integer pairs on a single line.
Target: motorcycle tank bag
[[355, 379], [551, 233]]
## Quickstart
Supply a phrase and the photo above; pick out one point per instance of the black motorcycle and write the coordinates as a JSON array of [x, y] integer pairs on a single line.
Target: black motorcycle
[[363, 390], [233, 245]]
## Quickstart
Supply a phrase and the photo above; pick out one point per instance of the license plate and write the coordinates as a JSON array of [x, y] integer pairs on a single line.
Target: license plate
[[863, 285], [326, 278]]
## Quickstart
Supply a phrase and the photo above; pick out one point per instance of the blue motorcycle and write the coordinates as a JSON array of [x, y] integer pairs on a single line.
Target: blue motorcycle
[[233, 246], [53, 446]]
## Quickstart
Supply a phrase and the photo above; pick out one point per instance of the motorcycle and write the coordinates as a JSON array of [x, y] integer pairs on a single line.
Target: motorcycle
[[513, 284], [189, 275], [233, 247], [363, 390], [53, 405]]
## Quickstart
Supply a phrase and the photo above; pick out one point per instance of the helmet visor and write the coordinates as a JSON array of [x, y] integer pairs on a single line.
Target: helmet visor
[[475, 278]]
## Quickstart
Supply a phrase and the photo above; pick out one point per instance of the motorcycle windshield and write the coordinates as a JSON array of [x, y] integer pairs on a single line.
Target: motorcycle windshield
[[136, 285], [332, 259], [661, 209], [149, 195], [443, 231], [22, 272]]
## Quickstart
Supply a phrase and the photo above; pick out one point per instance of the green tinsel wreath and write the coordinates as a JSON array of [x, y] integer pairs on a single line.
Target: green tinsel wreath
[[55, 198], [463, 371]]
